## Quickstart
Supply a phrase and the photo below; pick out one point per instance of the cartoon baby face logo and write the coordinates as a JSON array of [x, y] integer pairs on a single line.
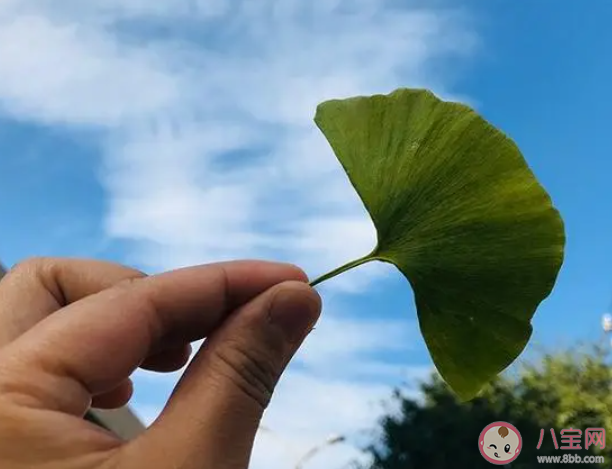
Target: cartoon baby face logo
[[500, 443]]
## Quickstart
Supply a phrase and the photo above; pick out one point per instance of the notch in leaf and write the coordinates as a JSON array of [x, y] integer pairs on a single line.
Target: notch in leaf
[[458, 211]]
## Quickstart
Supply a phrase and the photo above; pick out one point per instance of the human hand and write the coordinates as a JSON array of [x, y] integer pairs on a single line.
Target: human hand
[[73, 331]]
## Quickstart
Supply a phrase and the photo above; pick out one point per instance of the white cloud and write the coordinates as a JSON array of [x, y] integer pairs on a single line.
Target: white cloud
[[343, 408], [204, 114], [175, 105], [111, 10], [351, 341], [64, 72]]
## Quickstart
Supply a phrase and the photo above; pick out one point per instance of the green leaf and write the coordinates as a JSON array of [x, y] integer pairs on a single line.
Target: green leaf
[[458, 211]]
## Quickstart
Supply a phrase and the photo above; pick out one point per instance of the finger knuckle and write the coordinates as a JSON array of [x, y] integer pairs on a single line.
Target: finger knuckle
[[30, 266], [252, 372], [129, 283]]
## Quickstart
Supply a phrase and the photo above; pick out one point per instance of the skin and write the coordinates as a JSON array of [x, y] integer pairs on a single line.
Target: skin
[[73, 331]]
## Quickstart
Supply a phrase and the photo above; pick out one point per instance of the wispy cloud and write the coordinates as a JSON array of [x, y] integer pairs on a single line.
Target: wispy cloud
[[229, 82], [202, 111]]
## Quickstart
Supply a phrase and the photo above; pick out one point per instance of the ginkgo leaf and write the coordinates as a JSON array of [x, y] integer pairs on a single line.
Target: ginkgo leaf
[[458, 211]]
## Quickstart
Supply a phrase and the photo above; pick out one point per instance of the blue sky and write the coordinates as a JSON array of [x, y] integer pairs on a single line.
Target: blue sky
[[167, 134], [543, 79]]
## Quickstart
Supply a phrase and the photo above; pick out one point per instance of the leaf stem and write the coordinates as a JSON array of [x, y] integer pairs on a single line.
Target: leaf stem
[[343, 268]]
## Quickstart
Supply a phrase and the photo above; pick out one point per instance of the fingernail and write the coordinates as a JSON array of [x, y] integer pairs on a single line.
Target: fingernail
[[295, 311]]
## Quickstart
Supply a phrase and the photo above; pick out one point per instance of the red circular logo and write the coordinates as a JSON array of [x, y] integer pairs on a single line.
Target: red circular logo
[[500, 443]]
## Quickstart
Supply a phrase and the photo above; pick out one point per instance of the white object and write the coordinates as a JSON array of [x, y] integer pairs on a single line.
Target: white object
[[606, 323]]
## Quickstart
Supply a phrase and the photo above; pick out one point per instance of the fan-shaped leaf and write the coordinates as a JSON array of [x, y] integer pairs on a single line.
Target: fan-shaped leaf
[[459, 212]]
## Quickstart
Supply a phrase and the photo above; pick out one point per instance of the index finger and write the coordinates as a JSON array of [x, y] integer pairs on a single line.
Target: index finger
[[39, 286], [67, 354]]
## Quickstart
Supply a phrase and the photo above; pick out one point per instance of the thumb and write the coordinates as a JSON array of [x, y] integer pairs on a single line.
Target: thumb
[[215, 410]]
